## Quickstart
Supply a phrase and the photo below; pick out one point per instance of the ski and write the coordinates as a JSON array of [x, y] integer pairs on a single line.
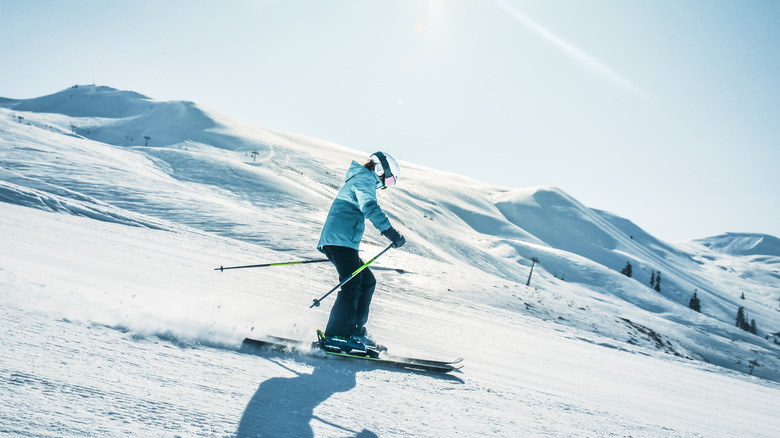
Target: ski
[[409, 363], [404, 363]]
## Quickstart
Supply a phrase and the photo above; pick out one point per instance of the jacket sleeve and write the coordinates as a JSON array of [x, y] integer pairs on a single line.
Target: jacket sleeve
[[365, 192]]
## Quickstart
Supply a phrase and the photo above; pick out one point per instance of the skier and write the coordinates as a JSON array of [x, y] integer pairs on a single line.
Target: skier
[[340, 240]]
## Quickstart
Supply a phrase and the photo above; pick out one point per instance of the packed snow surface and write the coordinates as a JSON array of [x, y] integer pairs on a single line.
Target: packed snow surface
[[117, 208]]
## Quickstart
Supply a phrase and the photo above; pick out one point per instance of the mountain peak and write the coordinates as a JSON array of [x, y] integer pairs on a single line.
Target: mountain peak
[[136, 116], [743, 244], [86, 101]]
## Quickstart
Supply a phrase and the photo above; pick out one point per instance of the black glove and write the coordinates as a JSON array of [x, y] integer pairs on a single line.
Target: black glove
[[395, 236]]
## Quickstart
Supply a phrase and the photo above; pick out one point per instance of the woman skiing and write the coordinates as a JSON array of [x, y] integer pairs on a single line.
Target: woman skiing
[[340, 240]]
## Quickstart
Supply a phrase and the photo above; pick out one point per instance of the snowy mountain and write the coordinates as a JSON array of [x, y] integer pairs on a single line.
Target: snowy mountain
[[741, 244], [117, 207]]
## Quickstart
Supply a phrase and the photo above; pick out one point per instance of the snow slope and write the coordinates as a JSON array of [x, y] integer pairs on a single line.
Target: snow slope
[[116, 208]]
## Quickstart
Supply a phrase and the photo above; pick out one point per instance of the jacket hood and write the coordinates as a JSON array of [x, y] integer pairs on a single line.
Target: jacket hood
[[355, 168]]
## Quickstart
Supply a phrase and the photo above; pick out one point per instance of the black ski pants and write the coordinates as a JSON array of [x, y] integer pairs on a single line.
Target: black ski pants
[[350, 311]]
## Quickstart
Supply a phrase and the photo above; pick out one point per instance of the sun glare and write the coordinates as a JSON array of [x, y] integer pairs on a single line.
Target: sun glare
[[570, 49]]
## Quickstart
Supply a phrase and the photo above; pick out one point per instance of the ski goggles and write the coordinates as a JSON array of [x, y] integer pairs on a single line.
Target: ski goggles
[[388, 179]]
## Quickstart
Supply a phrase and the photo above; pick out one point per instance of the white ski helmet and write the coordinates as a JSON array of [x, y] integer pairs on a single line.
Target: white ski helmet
[[387, 168]]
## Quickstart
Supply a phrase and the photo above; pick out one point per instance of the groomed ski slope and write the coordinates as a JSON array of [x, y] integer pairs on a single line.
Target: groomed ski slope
[[114, 321]]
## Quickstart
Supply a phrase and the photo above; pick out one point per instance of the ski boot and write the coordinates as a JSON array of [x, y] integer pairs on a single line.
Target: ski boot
[[353, 345], [367, 340]]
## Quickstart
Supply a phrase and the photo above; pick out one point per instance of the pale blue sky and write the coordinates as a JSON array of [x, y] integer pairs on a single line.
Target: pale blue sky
[[665, 112]]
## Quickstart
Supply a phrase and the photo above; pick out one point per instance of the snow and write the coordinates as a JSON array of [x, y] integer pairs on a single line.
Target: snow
[[114, 321]]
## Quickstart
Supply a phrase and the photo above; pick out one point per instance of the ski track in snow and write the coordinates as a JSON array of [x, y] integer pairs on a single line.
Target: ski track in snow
[[144, 386]]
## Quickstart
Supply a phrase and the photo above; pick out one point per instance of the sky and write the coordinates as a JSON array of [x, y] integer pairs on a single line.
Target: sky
[[666, 112]]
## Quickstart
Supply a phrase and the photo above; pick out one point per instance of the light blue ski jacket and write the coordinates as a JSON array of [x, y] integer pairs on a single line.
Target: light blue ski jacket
[[355, 202]]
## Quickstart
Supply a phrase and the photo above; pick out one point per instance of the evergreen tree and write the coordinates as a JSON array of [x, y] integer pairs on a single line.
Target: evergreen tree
[[658, 282], [695, 304], [742, 321], [652, 279], [628, 270], [740, 317], [753, 327], [743, 296]]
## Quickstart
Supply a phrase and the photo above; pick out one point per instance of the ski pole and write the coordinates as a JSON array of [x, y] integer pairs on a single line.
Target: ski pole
[[300, 262], [365, 265]]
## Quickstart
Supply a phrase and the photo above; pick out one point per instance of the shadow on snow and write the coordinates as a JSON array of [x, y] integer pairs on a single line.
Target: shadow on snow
[[284, 406]]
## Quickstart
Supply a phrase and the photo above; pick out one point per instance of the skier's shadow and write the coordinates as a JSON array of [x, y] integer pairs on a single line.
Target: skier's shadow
[[284, 406]]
